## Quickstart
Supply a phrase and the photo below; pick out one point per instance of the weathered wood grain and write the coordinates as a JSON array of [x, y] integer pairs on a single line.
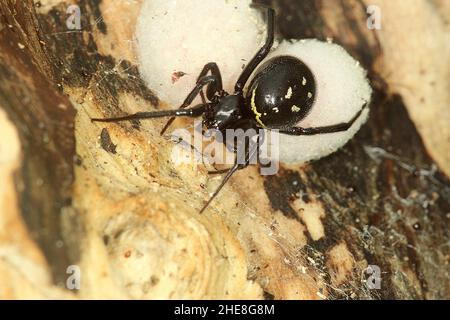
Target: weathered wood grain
[[109, 199]]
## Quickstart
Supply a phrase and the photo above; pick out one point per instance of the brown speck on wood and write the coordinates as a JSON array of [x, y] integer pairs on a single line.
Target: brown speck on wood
[[106, 143]]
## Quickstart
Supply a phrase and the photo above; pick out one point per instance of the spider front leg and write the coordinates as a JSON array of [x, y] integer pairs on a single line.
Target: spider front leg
[[194, 112], [211, 89], [343, 126], [217, 87], [241, 162]]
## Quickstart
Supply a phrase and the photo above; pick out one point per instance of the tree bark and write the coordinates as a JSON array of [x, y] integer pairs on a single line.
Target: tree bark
[[109, 200]]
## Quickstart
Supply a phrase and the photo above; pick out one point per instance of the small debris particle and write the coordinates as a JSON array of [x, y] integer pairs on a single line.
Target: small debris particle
[[268, 296], [106, 143], [39, 182], [311, 260], [154, 280], [321, 295], [177, 75], [77, 160]]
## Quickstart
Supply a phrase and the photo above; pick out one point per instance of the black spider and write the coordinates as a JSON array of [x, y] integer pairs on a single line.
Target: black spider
[[281, 93]]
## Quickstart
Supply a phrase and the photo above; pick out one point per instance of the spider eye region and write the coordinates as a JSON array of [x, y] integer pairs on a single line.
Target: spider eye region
[[281, 93]]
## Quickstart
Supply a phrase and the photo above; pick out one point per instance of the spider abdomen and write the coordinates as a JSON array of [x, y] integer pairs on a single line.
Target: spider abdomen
[[281, 93]]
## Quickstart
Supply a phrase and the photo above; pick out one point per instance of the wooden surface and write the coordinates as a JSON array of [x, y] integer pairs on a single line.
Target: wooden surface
[[108, 198]]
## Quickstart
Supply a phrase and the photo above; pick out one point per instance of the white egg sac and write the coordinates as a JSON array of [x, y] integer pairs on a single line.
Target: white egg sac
[[180, 37], [341, 91], [175, 39]]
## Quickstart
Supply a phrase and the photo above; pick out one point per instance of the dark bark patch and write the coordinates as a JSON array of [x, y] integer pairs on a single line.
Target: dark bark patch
[[283, 188]]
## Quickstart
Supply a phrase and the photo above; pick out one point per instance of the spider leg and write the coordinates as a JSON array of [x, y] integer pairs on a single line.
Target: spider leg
[[343, 126], [224, 181], [249, 155], [260, 55], [250, 152], [212, 88], [195, 112]]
